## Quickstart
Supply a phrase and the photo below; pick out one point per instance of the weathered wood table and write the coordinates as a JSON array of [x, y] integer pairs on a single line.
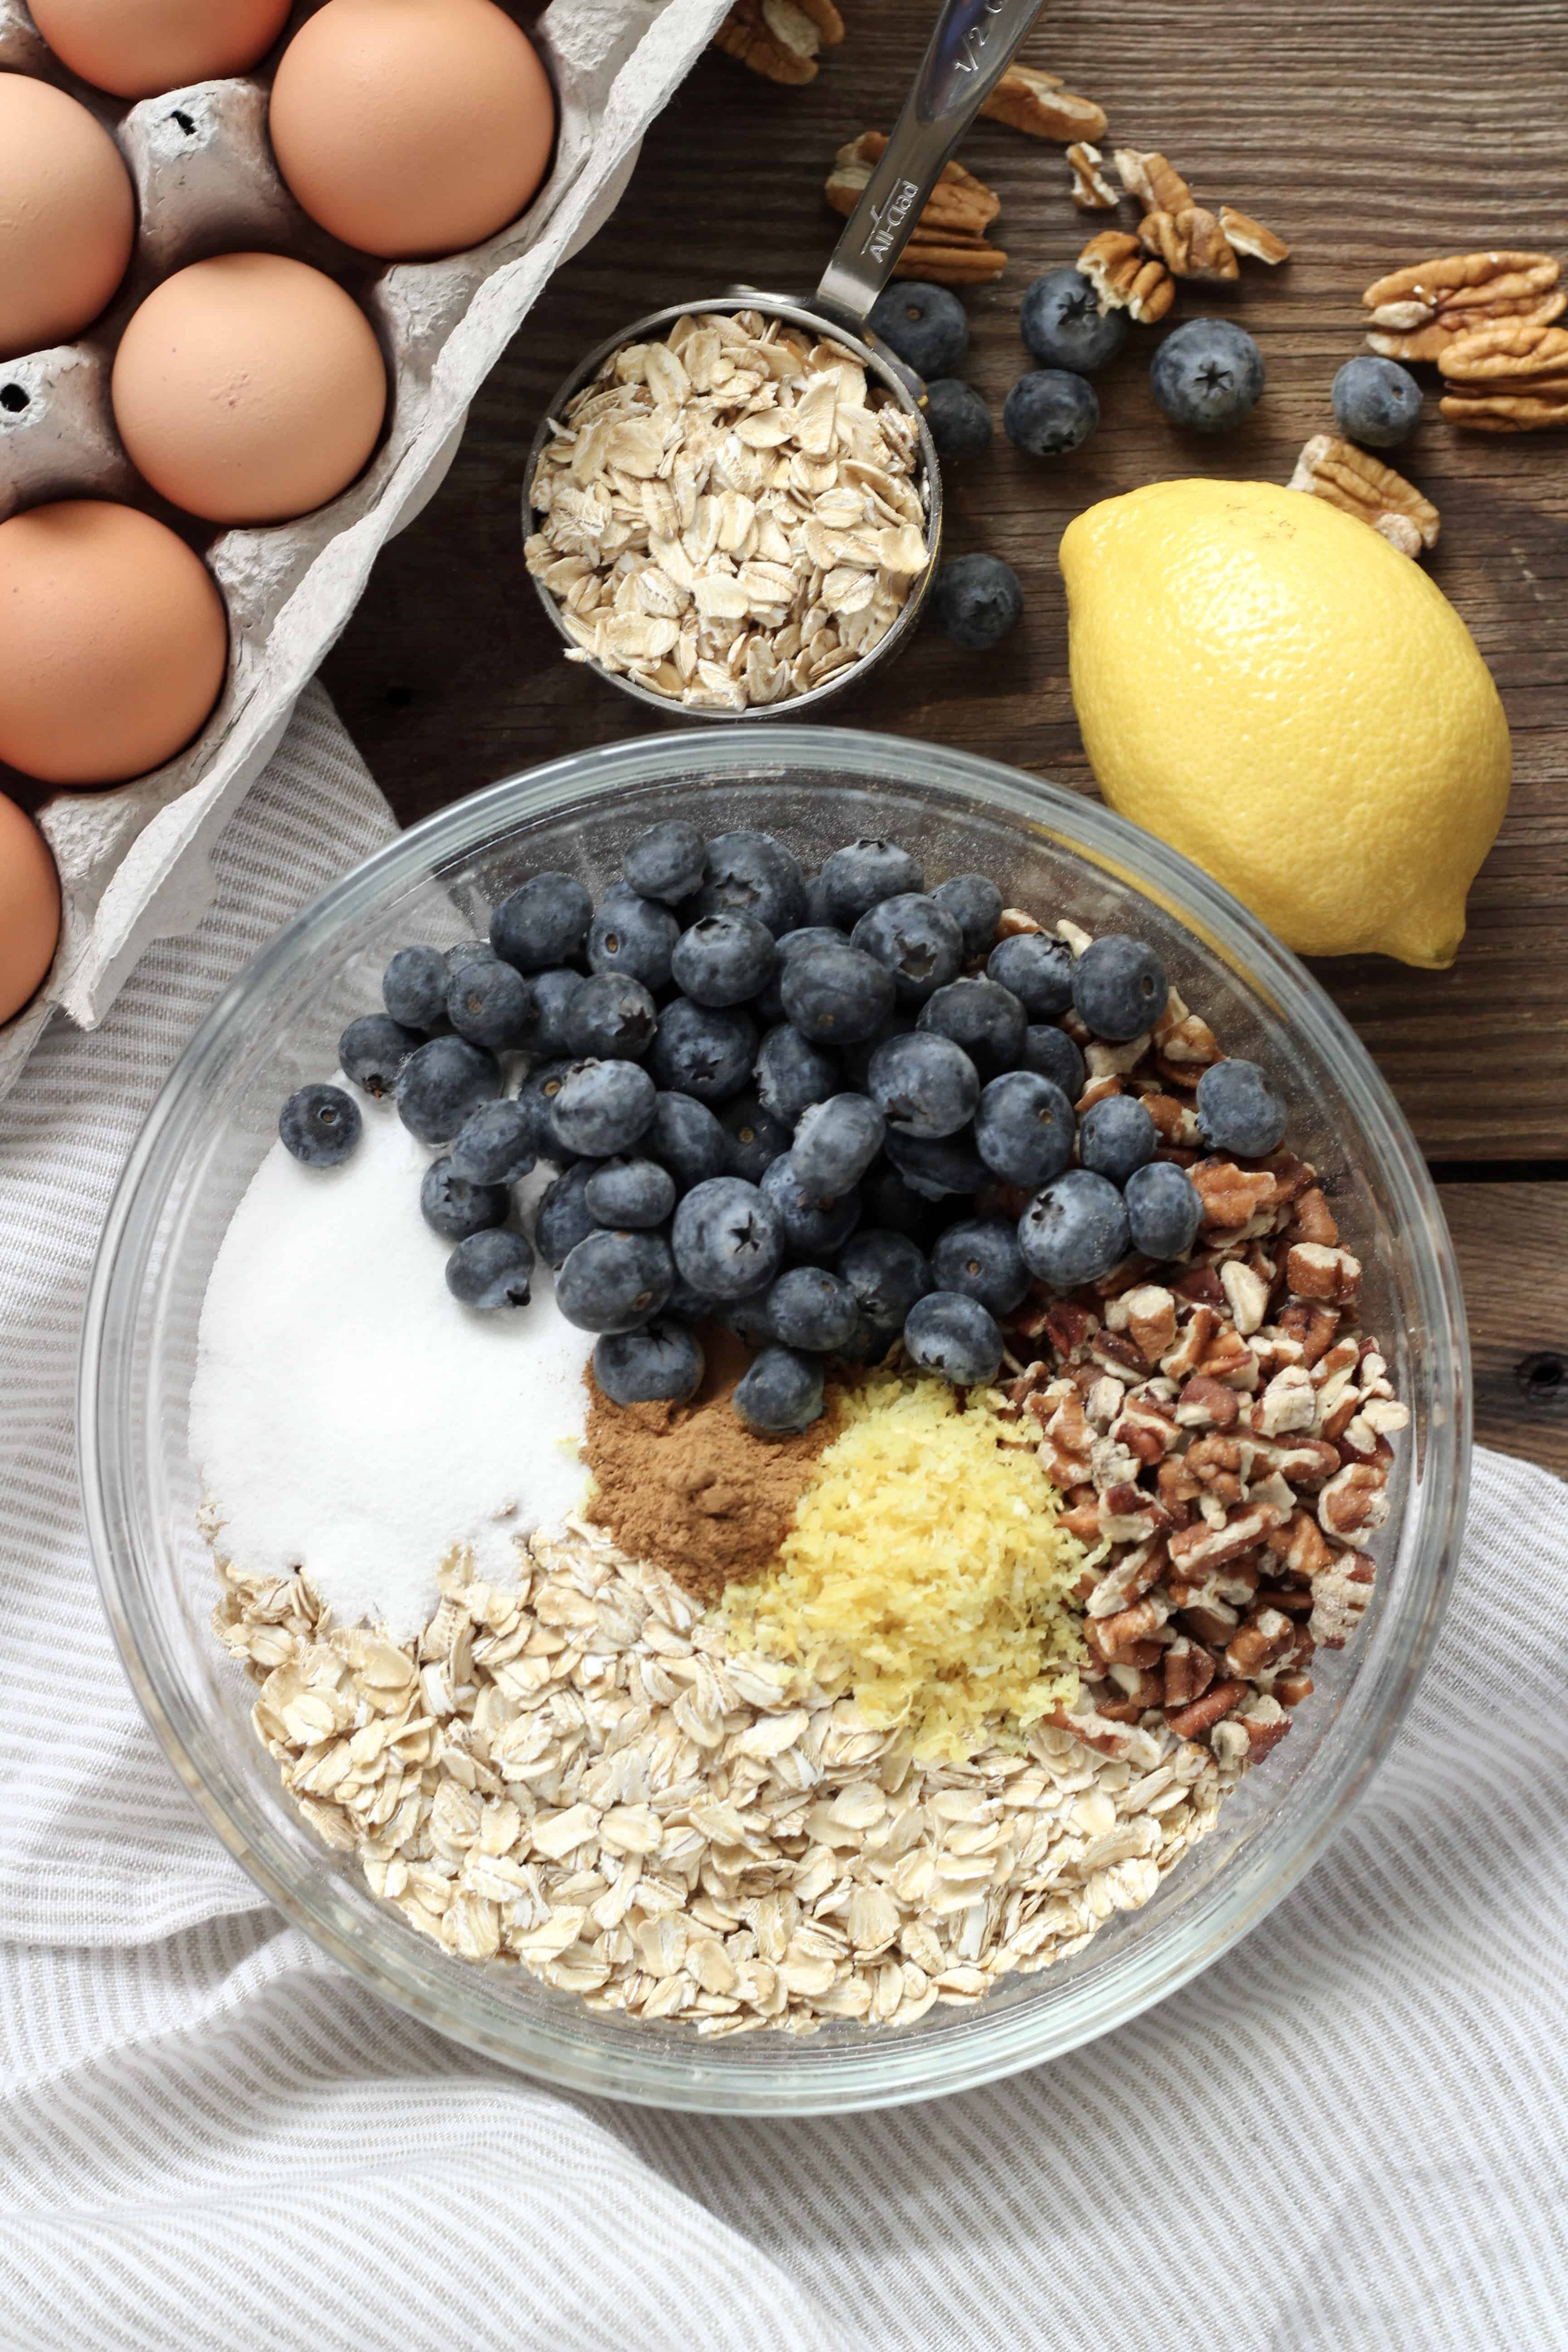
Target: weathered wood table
[[1368, 136]]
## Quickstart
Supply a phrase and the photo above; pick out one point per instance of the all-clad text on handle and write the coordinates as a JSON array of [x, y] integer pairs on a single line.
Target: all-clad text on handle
[[966, 56]]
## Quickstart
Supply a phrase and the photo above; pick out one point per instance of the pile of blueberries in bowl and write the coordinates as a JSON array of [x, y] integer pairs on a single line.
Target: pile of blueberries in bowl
[[830, 1113]]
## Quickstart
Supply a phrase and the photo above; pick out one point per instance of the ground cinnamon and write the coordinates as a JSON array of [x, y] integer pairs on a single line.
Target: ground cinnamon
[[688, 1486]]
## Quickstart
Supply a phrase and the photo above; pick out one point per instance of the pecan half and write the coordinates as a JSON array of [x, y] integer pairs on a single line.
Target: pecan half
[[1317, 1272], [1508, 377], [1190, 243], [1091, 191], [1153, 179], [1041, 104], [1417, 312], [1249, 237], [780, 38], [1127, 278], [1362, 485]]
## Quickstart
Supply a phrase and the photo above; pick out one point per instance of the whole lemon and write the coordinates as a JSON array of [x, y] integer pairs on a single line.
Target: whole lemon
[[1268, 684]]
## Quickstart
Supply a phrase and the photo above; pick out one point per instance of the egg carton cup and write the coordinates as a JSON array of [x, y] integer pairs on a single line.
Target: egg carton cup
[[133, 858]]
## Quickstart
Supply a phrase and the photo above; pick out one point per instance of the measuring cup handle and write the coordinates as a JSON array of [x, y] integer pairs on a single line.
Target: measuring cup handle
[[967, 55]]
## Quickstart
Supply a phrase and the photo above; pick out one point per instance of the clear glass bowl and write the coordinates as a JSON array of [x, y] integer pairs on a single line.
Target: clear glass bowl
[[278, 1026]]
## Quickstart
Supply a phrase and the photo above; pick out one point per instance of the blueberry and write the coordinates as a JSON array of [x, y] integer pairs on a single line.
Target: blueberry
[[685, 1134], [892, 1205], [1050, 412], [979, 1257], [413, 988], [455, 1208], [926, 325], [1038, 967], [780, 1394], [724, 959], [753, 872], [923, 1084], [1240, 1109], [372, 1052], [1118, 987], [958, 420], [536, 1100], [630, 1194], [662, 1365], [869, 1342], [836, 994], [490, 1270], [975, 905], [975, 600], [916, 940], [554, 994], [835, 1143], [1115, 1136], [947, 1333], [768, 1005], [857, 878], [704, 1050], [666, 862], [320, 1124], [887, 1272], [633, 935], [937, 1166], [815, 905], [1023, 1129], [747, 1318], [855, 1060], [1377, 403], [545, 922], [1163, 1210], [1061, 322], [793, 1074], [756, 1137], [496, 1144], [613, 1281], [728, 1239], [1075, 1230], [467, 951], [611, 1018], [1207, 375], [565, 1217], [491, 1005], [1052, 1054], [983, 1017], [816, 1225], [441, 1083], [809, 1307], [602, 1108]]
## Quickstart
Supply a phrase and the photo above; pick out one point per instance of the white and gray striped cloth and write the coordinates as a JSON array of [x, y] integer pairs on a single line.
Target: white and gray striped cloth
[[1349, 2133]]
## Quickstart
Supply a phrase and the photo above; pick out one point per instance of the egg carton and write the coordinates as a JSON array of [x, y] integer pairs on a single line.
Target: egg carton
[[133, 859]]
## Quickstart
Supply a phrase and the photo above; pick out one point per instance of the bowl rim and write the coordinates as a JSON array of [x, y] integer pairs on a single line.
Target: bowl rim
[[830, 2076]]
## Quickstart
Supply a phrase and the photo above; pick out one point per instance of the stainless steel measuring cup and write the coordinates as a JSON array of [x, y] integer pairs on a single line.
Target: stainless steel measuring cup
[[968, 53]]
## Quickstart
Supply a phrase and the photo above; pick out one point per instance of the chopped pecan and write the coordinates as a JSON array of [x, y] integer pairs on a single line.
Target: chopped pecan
[[1299, 1546], [1117, 1354], [1066, 1448], [1127, 278], [1312, 1220], [1196, 1338], [1187, 1670], [1301, 1461], [1250, 238], [1231, 1196], [1416, 313], [1246, 1294], [1185, 1046], [1208, 1403], [1148, 1315], [1141, 1687], [1290, 1689], [1154, 180], [1340, 1592], [1288, 1404], [1083, 1521], [1362, 485], [1129, 1514], [1312, 1325], [1123, 1637], [1176, 1487], [1013, 921], [1190, 243], [1091, 191], [1313, 1270], [1147, 1428], [1128, 1579], [1209, 1620], [780, 38], [1068, 1326], [1511, 376], [1198, 1549], [1173, 1119], [1293, 1598], [1191, 1722], [1354, 1503], [1229, 1359], [1246, 1736], [1201, 1284], [1262, 1638], [1041, 104]]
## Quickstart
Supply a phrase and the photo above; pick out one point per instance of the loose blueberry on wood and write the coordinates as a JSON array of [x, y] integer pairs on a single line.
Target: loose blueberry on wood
[[957, 418], [1050, 413], [926, 325], [1377, 402], [1061, 322], [1207, 375], [976, 599]]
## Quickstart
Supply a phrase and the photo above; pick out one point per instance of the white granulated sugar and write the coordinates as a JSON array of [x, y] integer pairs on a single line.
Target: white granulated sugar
[[349, 1416]]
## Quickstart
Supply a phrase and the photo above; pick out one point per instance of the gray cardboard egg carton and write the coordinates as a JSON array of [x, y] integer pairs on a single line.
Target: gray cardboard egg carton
[[133, 858]]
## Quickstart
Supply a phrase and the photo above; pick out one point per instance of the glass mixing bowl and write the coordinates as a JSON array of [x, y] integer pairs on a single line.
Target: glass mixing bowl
[[276, 1027]]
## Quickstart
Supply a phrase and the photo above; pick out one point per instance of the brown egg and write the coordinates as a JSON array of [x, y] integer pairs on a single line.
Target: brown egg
[[68, 218], [411, 128], [138, 48], [30, 908], [250, 389], [113, 642]]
